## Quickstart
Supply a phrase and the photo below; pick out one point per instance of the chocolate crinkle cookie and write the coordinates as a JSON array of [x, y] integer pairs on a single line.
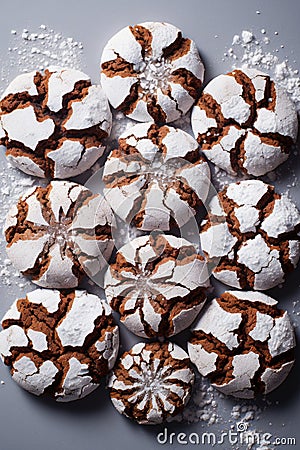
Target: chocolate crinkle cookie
[[243, 344], [151, 72], [151, 382], [251, 235], [245, 123], [156, 179], [57, 234], [59, 343], [157, 285], [64, 122]]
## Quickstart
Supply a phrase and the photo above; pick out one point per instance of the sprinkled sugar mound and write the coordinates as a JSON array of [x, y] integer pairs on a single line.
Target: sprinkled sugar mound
[[59, 343]]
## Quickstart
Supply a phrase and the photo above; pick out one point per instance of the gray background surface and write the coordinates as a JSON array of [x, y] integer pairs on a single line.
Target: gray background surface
[[27, 422]]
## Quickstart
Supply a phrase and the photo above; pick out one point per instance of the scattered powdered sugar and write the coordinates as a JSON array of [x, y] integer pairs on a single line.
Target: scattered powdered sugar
[[202, 406], [252, 51], [38, 49], [218, 414]]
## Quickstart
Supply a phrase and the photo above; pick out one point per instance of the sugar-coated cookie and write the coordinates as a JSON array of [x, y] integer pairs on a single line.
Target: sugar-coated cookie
[[151, 382], [53, 124], [151, 72], [57, 234], [243, 344], [245, 123], [157, 285], [156, 179], [251, 235], [59, 343]]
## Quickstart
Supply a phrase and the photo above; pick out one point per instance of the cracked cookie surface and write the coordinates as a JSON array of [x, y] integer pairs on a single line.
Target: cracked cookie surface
[[243, 344], [151, 382], [245, 123], [251, 235], [57, 234], [157, 284], [59, 343], [156, 179], [64, 122], [151, 72]]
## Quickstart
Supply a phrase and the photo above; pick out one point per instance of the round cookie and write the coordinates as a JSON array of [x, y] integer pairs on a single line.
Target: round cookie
[[156, 178], [151, 72], [58, 233], [251, 235], [64, 122], [157, 284], [151, 382], [59, 343], [243, 344], [245, 123]]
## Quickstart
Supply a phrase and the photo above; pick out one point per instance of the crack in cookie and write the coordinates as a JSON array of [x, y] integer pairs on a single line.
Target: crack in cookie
[[244, 123], [151, 72], [156, 178], [243, 344], [252, 235], [65, 121], [60, 344], [59, 233], [157, 284]]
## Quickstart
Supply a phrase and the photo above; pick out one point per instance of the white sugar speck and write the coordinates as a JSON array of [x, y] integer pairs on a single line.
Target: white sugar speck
[[247, 36]]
